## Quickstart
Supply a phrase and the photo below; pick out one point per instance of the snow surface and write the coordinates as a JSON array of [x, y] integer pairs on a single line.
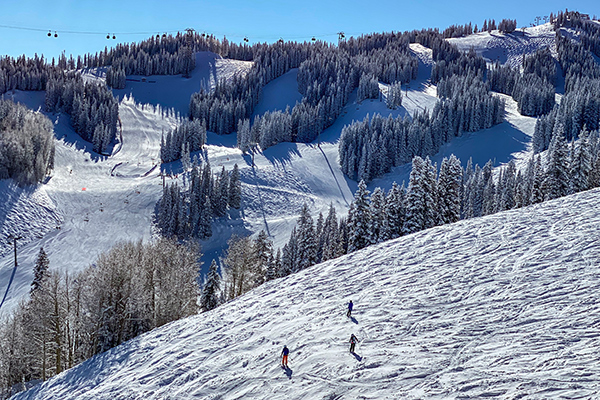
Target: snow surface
[[505, 306], [280, 93], [509, 48]]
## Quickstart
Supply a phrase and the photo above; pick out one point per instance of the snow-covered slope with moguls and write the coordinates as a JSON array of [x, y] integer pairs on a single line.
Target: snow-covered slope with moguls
[[505, 307], [509, 48]]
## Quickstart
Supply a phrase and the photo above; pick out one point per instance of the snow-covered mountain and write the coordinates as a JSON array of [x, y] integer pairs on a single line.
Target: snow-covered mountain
[[75, 225], [501, 306], [504, 306]]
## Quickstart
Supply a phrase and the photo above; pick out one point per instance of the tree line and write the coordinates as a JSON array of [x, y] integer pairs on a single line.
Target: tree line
[[68, 318], [327, 75], [437, 196], [26, 144], [91, 106], [370, 148], [580, 105], [504, 26], [93, 109]]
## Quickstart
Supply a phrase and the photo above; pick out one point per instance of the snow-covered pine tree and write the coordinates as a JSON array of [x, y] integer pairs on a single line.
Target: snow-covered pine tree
[[329, 236], [359, 219], [581, 163], [394, 96], [220, 194], [556, 180], [235, 188], [40, 270], [306, 239], [449, 189], [395, 212], [262, 248], [420, 197], [376, 227], [289, 255], [205, 219], [243, 135], [210, 296]]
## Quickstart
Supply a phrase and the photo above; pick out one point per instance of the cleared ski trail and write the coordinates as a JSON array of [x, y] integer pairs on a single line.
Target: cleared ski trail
[[505, 306]]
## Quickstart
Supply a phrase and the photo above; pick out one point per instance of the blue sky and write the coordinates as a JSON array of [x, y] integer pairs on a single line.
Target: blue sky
[[260, 21]]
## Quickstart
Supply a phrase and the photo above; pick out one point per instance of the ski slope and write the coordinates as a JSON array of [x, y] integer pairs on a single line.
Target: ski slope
[[74, 225], [505, 307], [509, 48]]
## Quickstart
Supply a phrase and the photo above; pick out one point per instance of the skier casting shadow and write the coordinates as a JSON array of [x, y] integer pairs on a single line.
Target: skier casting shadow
[[353, 341], [284, 361], [349, 313], [284, 356]]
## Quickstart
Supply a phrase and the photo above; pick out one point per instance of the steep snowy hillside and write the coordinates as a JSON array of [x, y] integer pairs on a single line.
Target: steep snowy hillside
[[509, 48], [504, 306]]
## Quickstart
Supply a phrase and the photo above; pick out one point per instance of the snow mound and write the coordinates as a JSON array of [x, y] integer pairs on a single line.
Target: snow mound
[[503, 306]]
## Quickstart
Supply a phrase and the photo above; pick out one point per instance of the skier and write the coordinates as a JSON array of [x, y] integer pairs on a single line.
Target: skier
[[284, 353], [350, 305], [353, 340]]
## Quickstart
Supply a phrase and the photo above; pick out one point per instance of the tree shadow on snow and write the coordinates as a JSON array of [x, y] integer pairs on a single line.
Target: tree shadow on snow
[[281, 154]]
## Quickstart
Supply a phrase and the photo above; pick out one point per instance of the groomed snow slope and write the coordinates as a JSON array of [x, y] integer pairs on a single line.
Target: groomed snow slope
[[505, 307]]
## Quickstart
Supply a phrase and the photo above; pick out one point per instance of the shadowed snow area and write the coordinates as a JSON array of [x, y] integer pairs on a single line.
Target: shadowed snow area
[[174, 91], [280, 93], [504, 306]]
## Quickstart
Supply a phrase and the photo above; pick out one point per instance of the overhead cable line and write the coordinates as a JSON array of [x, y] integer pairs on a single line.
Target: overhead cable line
[[113, 35]]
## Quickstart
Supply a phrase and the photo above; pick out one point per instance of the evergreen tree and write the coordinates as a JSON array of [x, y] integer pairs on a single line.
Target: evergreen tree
[[289, 255], [395, 212], [235, 188], [556, 181], [210, 292], [358, 219], [263, 256], [421, 197], [330, 236], [376, 227], [40, 270], [581, 163], [306, 239], [449, 187]]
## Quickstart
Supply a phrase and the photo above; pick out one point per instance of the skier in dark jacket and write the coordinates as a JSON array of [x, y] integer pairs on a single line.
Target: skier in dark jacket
[[284, 353], [353, 341], [350, 305]]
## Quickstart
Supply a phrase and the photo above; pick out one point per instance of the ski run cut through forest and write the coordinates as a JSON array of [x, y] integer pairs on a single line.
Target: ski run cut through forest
[[201, 203]]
